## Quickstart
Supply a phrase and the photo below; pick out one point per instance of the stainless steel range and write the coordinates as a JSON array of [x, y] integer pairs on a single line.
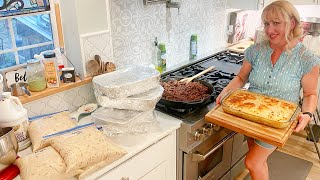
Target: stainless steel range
[[207, 151]]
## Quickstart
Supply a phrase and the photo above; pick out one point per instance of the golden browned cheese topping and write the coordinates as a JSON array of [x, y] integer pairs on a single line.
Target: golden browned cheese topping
[[261, 106]]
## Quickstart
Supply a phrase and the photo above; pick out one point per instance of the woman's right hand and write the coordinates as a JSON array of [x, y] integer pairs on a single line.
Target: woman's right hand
[[222, 94]]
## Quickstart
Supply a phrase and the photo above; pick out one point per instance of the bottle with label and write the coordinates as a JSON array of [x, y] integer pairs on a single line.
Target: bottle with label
[[14, 115], [193, 46], [51, 69], [162, 57]]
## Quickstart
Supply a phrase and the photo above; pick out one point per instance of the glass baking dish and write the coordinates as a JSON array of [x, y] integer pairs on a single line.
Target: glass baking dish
[[263, 109]]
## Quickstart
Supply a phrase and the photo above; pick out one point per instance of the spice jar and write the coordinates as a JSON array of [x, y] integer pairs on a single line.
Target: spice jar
[[35, 74]]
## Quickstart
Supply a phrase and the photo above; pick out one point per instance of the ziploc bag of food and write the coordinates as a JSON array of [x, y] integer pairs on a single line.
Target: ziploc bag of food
[[45, 163], [41, 126], [84, 146]]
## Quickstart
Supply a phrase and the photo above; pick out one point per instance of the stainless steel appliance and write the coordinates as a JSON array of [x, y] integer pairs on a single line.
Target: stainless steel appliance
[[207, 151], [311, 28]]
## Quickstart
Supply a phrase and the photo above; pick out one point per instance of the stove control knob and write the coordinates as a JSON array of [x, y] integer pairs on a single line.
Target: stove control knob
[[207, 130], [198, 135]]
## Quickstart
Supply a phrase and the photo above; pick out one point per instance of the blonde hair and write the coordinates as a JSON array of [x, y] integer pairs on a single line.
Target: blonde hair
[[286, 11]]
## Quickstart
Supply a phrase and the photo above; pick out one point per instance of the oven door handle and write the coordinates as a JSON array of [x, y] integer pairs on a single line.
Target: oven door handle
[[200, 157]]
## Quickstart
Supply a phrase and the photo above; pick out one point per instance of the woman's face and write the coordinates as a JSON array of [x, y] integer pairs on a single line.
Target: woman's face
[[275, 30]]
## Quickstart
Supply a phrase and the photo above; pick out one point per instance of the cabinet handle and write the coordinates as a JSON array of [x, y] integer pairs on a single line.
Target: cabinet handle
[[125, 178]]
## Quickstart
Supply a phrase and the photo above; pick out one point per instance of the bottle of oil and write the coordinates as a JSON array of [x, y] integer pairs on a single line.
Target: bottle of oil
[[163, 57], [193, 46]]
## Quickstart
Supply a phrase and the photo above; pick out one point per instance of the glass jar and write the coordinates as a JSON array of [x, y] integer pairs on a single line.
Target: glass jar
[[35, 74]]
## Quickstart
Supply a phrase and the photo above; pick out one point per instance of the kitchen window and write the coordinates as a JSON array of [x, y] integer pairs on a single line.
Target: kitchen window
[[27, 27]]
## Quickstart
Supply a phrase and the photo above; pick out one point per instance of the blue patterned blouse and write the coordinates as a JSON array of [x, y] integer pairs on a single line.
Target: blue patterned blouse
[[283, 80]]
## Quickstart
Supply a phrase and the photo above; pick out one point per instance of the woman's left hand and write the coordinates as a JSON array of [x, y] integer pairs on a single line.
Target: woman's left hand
[[303, 121]]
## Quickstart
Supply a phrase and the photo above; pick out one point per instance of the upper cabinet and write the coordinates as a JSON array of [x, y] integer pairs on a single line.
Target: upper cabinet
[[259, 4], [245, 4], [298, 2]]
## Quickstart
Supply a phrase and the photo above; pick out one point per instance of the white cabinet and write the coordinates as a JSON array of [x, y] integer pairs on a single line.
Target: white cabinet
[[245, 4], [304, 2], [82, 20], [157, 162], [297, 2]]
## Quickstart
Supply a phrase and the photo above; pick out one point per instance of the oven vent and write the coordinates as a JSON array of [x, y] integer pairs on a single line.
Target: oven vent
[[148, 2]]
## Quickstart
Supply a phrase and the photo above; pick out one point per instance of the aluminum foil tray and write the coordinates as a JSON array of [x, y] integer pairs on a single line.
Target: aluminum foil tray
[[126, 82], [140, 102]]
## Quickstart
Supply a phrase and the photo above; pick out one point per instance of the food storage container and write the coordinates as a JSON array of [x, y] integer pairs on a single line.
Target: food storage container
[[260, 108], [140, 102], [118, 121], [126, 82], [36, 76]]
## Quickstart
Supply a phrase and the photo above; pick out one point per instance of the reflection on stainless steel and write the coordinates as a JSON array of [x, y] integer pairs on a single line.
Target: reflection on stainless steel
[[206, 150], [8, 147]]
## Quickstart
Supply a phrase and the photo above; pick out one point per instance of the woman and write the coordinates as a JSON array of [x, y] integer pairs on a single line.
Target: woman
[[278, 67]]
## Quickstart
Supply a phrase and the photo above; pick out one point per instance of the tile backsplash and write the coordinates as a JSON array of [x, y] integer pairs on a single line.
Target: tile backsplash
[[134, 27], [67, 100]]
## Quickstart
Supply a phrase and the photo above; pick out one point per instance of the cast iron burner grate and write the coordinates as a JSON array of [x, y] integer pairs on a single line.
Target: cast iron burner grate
[[218, 78]]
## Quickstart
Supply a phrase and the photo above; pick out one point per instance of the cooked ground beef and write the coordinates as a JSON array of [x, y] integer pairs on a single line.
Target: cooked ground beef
[[181, 91]]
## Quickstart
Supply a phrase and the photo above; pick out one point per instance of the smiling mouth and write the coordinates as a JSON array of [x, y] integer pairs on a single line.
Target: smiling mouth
[[273, 36]]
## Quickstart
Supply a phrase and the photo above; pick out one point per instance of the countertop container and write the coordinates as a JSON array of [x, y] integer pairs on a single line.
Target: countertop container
[[260, 108], [119, 121], [126, 82], [140, 102], [8, 147]]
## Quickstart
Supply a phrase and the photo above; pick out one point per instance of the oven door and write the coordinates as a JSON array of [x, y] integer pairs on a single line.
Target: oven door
[[240, 147], [209, 161]]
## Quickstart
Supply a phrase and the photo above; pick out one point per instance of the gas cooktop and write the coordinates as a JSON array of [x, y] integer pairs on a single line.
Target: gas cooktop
[[227, 65]]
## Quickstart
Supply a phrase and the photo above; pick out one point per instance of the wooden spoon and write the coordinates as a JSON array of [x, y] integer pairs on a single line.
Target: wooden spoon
[[189, 79]]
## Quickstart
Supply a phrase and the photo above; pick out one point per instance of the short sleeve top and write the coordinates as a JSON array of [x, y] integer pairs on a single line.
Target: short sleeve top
[[282, 80]]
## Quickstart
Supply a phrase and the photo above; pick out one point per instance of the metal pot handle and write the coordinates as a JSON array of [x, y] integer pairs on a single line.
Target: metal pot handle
[[200, 157]]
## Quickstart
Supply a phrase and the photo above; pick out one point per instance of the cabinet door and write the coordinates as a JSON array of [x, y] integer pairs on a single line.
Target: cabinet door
[[297, 2], [245, 4], [158, 160], [304, 2], [158, 173]]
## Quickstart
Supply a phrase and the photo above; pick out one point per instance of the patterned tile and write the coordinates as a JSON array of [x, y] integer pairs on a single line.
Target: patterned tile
[[71, 99], [135, 26]]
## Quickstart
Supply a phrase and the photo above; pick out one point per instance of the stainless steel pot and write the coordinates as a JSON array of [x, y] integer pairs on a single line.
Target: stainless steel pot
[[19, 89], [8, 147]]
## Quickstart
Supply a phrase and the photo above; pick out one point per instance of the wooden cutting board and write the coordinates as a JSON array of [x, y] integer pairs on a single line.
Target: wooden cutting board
[[274, 136]]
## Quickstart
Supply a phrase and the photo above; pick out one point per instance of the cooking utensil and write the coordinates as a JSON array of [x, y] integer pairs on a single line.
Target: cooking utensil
[[19, 89], [98, 59], [189, 104], [93, 67], [8, 147], [189, 79]]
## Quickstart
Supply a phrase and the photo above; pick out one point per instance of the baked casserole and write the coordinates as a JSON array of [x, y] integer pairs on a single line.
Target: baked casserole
[[259, 108]]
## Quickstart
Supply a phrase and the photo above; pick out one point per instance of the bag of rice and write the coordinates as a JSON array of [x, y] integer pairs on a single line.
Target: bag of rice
[[115, 153], [43, 164], [48, 124], [82, 146]]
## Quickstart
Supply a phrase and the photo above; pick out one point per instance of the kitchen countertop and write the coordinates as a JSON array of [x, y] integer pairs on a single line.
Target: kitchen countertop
[[133, 144]]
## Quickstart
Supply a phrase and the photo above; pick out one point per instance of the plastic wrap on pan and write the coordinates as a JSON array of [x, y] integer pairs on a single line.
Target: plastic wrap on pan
[[118, 122], [126, 82], [260, 108], [140, 102]]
